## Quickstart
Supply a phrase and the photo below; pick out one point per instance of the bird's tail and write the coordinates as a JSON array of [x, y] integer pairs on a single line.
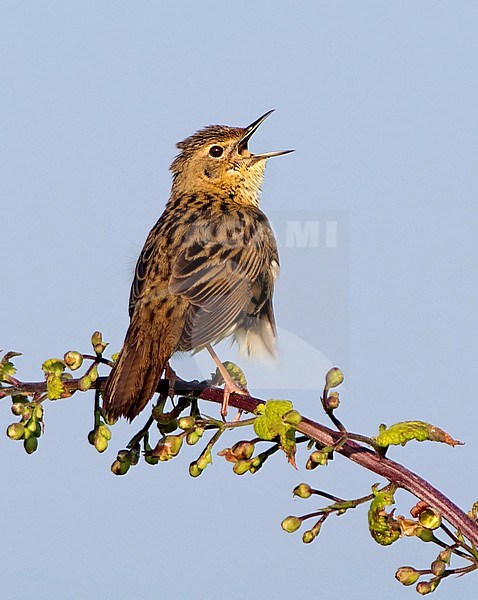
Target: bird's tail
[[135, 375]]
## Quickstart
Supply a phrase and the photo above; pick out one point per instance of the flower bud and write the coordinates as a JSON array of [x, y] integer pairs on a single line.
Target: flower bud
[[84, 383], [186, 423], [101, 443], [241, 467], [18, 408], [407, 575], [123, 456], [303, 490], [97, 342], [427, 587], [151, 460], [167, 447], [73, 360], [243, 450], [104, 431], [319, 457], [438, 567], [192, 438], [292, 418], [430, 519], [309, 536], [31, 425], [93, 373], [426, 535], [445, 556], [30, 445], [310, 465], [332, 402], [16, 431], [333, 378], [37, 412], [204, 460], [194, 470], [119, 468], [291, 524]]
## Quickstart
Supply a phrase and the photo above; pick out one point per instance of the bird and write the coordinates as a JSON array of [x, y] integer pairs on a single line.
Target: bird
[[206, 272]]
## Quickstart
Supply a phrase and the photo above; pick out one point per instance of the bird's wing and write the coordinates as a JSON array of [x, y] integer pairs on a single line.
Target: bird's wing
[[217, 281], [143, 265]]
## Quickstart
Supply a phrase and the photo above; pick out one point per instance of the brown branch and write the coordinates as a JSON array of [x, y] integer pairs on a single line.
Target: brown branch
[[385, 467], [391, 470]]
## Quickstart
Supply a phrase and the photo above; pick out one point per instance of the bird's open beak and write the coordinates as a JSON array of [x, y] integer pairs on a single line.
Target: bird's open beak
[[250, 130]]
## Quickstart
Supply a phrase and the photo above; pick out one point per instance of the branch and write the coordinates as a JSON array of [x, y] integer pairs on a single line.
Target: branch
[[365, 457]]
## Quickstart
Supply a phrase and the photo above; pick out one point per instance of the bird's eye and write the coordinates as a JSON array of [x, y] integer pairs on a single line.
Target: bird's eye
[[216, 151]]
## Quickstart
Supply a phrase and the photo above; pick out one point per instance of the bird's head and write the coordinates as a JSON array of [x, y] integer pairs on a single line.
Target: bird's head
[[217, 160]]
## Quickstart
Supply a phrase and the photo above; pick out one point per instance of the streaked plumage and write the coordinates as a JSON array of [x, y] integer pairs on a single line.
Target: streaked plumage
[[206, 271]]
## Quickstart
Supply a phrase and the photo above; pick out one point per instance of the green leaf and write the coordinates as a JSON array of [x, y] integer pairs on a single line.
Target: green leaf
[[53, 369], [382, 526], [270, 424], [405, 431], [7, 368], [54, 387], [54, 366], [234, 371]]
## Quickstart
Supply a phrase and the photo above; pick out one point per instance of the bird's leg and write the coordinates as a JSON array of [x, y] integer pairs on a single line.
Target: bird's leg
[[230, 386], [171, 375]]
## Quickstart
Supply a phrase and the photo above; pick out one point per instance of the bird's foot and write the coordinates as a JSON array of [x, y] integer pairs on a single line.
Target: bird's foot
[[230, 387]]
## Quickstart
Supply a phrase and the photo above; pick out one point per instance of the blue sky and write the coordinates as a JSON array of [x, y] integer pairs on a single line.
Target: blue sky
[[379, 99]]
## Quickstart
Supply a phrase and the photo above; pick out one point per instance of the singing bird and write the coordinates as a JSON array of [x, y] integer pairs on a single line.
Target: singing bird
[[207, 269]]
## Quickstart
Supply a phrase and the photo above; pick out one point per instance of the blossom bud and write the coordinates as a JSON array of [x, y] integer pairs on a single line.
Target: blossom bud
[[241, 467], [407, 575], [30, 445], [438, 567], [168, 446], [243, 450], [303, 490], [18, 408], [292, 418], [119, 468], [333, 378], [73, 360], [186, 423], [291, 524], [194, 470], [16, 431], [430, 519], [97, 342], [309, 536], [332, 402]]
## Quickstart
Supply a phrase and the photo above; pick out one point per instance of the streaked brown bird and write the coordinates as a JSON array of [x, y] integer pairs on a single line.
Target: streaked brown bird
[[206, 271]]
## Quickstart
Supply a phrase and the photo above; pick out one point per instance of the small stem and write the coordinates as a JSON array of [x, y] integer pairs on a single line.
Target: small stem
[[327, 495], [364, 439], [236, 424], [330, 413], [457, 542], [97, 409], [136, 439], [98, 359]]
